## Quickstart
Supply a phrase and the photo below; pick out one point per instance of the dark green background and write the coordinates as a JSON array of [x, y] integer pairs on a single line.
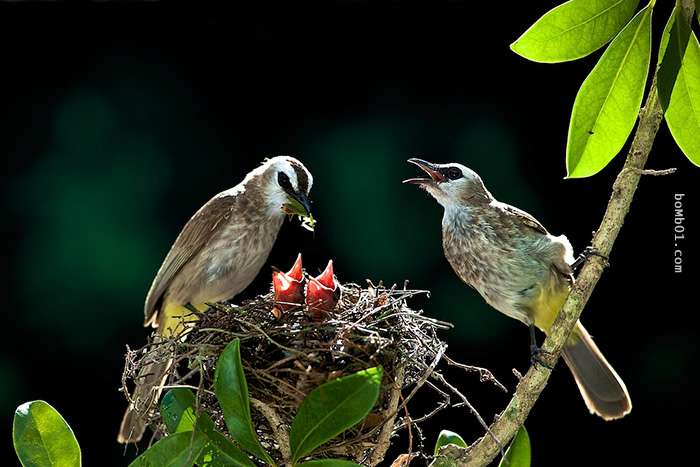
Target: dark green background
[[119, 121]]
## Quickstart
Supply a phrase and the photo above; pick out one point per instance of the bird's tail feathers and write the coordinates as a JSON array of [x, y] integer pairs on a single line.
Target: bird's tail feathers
[[602, 389], [149, 385]]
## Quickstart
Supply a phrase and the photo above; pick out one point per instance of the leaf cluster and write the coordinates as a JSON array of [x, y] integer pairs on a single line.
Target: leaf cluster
[[608, 102]]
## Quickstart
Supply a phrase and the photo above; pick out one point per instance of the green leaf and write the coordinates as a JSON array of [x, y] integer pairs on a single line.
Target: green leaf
[[329, 463], [178, 413], [42, 438], [574, 29], [607, 105], [678, 81], [518, 453], [332, 408], [177, 410], [671, 51], [219, 451], [177, 450], [448, 437], [232, 392]]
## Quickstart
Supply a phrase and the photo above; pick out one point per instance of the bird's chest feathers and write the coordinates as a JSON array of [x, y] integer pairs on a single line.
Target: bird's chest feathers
[[482, 256], [240, 249]]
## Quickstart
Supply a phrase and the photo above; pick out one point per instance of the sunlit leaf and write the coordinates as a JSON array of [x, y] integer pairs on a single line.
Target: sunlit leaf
[[176, 450], [232, 392], [678, 80], [519, 452], [574, 29], [608, 102], [332, 408], [448, 437], [177, 410], [42, 438]]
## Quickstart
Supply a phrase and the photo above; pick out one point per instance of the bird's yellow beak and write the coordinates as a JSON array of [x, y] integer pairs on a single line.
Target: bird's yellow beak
[[433, 170]]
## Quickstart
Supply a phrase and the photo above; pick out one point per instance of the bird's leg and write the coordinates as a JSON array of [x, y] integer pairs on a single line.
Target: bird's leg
[[535, 351], [588, 251], [192, 308]]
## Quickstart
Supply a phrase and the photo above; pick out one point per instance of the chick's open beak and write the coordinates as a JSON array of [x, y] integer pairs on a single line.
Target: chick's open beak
[[428, 167]]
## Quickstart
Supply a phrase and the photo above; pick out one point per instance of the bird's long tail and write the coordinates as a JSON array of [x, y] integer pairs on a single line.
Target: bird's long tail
[[149, 383], [602, 389]]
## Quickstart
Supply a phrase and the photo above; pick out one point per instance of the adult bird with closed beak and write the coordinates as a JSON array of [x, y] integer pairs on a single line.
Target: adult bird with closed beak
[[218, 253]]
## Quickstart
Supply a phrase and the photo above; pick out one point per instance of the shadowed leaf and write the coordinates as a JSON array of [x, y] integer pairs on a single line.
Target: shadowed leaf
[[329, 463], [519, 452], [232, 392], [42, 438], [574, 29], [678, 80], [177, 450], [177, 410], [608, 102], [671, 51], [332, 408]]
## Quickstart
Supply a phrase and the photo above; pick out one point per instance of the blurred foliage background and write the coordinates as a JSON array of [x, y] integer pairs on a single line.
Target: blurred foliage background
[[120, 120]]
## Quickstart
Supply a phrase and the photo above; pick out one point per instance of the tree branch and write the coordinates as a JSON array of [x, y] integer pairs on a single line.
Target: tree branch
[[530, 387]]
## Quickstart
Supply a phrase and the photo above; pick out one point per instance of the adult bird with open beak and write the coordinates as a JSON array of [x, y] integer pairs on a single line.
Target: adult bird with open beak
[[521, 270]]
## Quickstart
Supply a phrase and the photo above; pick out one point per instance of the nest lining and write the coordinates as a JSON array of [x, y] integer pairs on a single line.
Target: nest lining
[[285, 359]]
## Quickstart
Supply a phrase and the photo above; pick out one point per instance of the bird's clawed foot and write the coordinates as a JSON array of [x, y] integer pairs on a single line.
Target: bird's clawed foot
[[539, 357], [587, 252]]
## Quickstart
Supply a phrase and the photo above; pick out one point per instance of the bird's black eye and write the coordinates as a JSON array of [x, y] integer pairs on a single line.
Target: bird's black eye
[[283, 180], [453, 173]]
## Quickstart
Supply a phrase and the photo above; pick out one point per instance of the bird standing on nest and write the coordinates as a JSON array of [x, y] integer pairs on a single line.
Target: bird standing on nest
[[217, 255], [520, 270]]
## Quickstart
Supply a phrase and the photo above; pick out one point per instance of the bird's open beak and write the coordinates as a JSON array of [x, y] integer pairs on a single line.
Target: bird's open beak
[[298, 204], [429, 168]]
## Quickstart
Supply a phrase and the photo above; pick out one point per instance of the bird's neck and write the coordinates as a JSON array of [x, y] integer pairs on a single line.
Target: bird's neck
[[456, 216]]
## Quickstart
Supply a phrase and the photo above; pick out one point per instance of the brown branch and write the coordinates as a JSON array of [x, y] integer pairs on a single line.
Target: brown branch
[[530, 387]]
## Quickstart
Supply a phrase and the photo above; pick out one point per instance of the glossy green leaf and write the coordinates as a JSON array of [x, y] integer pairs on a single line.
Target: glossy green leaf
[[678, 80], [232, 392], [448, 437], [332, 408], [177, 409], [519, 453], [574, 29], [177, 450], [329, 463], [219, 451], [42, 438], [608, 102]]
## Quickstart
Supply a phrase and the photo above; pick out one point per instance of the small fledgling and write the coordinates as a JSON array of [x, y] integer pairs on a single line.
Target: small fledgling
[[288, 288], [322, 294]]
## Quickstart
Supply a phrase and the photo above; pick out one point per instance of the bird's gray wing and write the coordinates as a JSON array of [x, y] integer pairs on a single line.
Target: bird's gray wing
[[524, 218], [194, 235]]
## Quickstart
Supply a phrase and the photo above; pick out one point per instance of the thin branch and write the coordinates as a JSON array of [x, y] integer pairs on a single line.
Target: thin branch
[[530, 387], [278, 429]]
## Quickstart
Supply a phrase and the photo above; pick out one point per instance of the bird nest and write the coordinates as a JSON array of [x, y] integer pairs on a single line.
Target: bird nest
[[284, 359]]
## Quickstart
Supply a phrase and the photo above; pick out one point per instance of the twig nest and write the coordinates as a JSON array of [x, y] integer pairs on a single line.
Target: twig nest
[[284, 359]]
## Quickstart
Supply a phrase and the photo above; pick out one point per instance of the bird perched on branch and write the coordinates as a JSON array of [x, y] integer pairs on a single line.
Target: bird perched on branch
[[521, 270], [216, 256]]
